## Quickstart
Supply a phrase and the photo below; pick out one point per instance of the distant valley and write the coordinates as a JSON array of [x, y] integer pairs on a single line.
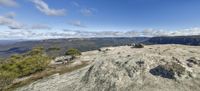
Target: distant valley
[[8, 42], [8, 48]]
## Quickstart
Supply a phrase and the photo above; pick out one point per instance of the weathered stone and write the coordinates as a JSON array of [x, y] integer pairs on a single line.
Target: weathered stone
[[62, 60], [194, 61], [111, 71], [190, 64]]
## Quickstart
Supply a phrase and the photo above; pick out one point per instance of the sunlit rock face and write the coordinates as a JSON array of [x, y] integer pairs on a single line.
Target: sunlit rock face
[[152, 68]]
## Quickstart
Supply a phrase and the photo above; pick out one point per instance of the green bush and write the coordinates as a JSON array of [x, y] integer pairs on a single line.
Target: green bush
[[73, 52], [32, 64], [53, 49], [23, 65], [35, 51], [6, 78]]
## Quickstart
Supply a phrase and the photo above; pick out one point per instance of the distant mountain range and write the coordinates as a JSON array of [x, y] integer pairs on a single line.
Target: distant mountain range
[[85, 44], [185, 40], [6, 42]]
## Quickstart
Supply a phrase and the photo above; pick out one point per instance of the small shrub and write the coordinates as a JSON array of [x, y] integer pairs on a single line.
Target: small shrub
[[35, 51], [73, 52], [32, 64]]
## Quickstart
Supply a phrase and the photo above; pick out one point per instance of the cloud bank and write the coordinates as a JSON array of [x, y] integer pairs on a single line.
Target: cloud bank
[[67, 33]]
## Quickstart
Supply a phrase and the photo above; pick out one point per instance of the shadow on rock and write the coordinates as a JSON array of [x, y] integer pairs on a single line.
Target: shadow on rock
[[169, 70], [160, 71]]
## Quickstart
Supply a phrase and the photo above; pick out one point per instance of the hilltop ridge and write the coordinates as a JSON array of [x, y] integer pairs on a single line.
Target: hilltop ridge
[[87, 44], [152, 68]]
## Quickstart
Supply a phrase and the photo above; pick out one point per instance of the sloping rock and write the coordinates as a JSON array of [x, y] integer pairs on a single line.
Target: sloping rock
[[146, 69], [111, 75]]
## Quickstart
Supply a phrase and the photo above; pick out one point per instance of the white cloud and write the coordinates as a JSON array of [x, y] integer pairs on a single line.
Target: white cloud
[[44, 8], [40, 26], [189, 31], [77, 23], [9, 3], [153, 32], [161, 32], [10, 22]]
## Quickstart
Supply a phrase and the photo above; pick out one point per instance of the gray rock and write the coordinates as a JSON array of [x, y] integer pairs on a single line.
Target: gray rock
[[190, 64], [194, 61], [109, 72]]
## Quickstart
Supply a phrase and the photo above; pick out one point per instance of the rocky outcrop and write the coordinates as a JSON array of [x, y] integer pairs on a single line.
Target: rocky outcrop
[[62, 59], [152, 68], [112, 75]]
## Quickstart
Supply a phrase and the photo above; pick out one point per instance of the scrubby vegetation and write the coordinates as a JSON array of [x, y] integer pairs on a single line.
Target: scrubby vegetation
[[1, 60], [73, 52], [32, 65], [49, 71], [53, 52], [53, 49], [6, 78], [22, 65]]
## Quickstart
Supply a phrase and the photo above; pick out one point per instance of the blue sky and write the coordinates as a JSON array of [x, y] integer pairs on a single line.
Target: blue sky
[[38, 19]]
